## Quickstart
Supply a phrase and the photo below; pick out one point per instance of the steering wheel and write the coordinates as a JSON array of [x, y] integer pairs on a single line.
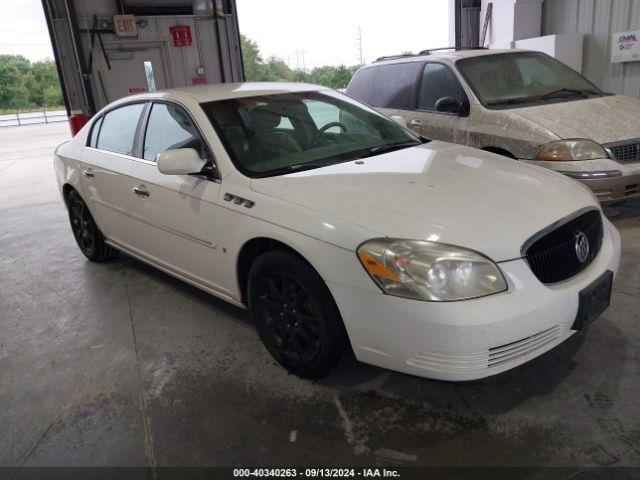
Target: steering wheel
[[326, 127]]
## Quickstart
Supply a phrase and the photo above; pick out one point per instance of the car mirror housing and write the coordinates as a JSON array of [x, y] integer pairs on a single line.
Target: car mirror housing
[[180, 161], [452, 105]]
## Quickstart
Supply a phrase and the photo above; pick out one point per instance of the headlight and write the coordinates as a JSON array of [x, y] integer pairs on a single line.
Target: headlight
[[429, 271], [567, 150]]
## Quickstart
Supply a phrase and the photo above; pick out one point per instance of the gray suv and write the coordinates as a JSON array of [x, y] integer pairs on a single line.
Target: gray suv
[[522, 104]]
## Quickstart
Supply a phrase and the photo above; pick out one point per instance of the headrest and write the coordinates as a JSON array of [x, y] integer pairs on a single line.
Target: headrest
[[262, 119]]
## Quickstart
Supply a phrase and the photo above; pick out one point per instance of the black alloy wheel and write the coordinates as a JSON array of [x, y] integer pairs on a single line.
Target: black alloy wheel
[[85, 231], [295, 315]]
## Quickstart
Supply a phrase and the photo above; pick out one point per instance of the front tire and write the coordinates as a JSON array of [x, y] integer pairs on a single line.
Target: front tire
[[85, 231], [295, 315]]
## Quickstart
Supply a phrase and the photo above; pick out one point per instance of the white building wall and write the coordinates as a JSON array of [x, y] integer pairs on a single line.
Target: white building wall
[[597, 20]]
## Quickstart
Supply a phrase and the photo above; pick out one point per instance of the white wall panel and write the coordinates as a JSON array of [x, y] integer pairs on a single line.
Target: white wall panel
[[597, 20]]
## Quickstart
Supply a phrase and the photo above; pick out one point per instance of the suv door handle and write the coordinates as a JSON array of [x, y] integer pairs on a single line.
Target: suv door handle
[[141, 192], [416, 122], [88, 173]]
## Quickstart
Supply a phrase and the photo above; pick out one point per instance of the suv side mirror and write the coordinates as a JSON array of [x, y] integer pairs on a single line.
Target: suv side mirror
[[180, 161], [451, 105]]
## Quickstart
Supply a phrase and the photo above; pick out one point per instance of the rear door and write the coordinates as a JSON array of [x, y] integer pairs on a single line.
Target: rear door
[[106, 166], [178, 219]]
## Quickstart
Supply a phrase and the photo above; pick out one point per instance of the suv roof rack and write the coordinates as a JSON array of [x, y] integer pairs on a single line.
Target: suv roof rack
[[428, 51], [425, 52], [393, 57]]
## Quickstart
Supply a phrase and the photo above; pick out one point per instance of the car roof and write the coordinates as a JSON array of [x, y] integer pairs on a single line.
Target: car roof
[[222, 91], [451, 55]]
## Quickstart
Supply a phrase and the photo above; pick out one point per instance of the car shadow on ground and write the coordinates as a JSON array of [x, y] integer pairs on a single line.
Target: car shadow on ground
[[486, 397]]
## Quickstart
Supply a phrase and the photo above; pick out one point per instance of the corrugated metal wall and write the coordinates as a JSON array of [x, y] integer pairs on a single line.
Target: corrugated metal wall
[[597, 20]]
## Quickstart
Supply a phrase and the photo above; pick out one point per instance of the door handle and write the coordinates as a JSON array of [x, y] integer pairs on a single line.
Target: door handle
[[89, 174], [141, 192], [416, 122]]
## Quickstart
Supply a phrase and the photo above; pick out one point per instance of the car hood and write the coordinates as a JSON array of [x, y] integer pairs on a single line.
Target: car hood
[[439, 192], [603, 119]]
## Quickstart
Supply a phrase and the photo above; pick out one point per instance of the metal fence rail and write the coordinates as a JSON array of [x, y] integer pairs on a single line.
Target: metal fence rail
[[30, 118]]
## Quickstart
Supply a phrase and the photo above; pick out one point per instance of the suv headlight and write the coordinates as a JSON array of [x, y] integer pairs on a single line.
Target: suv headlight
[[429, 271], [568, 150]]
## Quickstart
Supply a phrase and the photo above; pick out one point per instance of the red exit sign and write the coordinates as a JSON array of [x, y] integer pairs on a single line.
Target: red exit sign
[[125, 25]]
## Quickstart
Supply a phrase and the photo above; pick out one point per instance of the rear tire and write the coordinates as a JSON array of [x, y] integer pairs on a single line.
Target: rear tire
[[87, 234], [295, 314]]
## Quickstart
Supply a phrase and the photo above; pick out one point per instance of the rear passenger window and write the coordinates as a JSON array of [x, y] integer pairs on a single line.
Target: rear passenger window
[[388, 86], [119, 129], [169, 127], [95, 130], [438, 81], [360, 85]]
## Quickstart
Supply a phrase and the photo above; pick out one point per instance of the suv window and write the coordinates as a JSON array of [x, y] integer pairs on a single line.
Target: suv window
[[119, 129], [387, 86], [438, 81], [169, 127]]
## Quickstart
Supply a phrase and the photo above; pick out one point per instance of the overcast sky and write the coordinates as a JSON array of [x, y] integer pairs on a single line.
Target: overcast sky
[[23, 29], [325, 30]]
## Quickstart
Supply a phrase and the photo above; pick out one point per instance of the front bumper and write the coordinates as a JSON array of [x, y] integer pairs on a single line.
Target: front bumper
[[614, 188], [470, 339], [609, 180]]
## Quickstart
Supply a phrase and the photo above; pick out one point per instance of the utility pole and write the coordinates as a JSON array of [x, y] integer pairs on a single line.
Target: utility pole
[[300, 54], [359, 47]]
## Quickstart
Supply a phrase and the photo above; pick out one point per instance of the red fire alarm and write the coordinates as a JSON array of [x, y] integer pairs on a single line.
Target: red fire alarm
[[181, 35]]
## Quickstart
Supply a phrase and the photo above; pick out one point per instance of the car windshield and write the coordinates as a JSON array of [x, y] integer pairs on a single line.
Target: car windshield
[[522, 78], [271, 135]]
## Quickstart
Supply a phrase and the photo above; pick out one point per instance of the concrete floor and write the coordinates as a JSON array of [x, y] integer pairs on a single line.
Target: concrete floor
[[119, 364]]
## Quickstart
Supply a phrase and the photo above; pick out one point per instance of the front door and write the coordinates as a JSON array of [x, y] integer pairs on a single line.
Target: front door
[[178, 219], [438, 83]]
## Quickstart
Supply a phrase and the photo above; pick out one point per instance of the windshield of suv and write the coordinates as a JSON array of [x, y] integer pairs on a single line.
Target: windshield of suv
[[522, 78], [271, 135]]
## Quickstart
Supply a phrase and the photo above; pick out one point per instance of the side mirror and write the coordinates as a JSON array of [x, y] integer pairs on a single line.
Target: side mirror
[[451, 105], [398, 119], [181, 161]]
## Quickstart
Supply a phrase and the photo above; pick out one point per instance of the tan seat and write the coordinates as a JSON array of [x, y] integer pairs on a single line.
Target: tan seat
[[267, 141]]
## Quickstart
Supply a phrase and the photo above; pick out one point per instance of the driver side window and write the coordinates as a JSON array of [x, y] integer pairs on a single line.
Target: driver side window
[[438, 81], [169, 127]]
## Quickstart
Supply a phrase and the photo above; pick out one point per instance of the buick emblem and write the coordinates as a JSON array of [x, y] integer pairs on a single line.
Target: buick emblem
[[581, 245]]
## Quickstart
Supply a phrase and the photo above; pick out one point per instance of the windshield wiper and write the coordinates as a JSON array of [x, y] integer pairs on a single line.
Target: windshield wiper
[[298, 167], [380, 149], [567, 92], [512, 101]]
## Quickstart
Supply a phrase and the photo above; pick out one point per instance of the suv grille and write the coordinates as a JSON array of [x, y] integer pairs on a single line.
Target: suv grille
[[625, 152], [555, 256]]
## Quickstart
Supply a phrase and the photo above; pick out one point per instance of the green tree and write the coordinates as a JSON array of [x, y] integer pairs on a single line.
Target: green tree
[[276, 70], [251, 59], [25, 85]]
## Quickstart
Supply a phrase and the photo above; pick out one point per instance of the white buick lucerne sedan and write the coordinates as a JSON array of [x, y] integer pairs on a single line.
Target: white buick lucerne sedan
[[338, 228]]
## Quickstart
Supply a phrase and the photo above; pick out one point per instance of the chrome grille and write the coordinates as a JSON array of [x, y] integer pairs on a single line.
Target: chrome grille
[[627, 151], [552, 256]]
